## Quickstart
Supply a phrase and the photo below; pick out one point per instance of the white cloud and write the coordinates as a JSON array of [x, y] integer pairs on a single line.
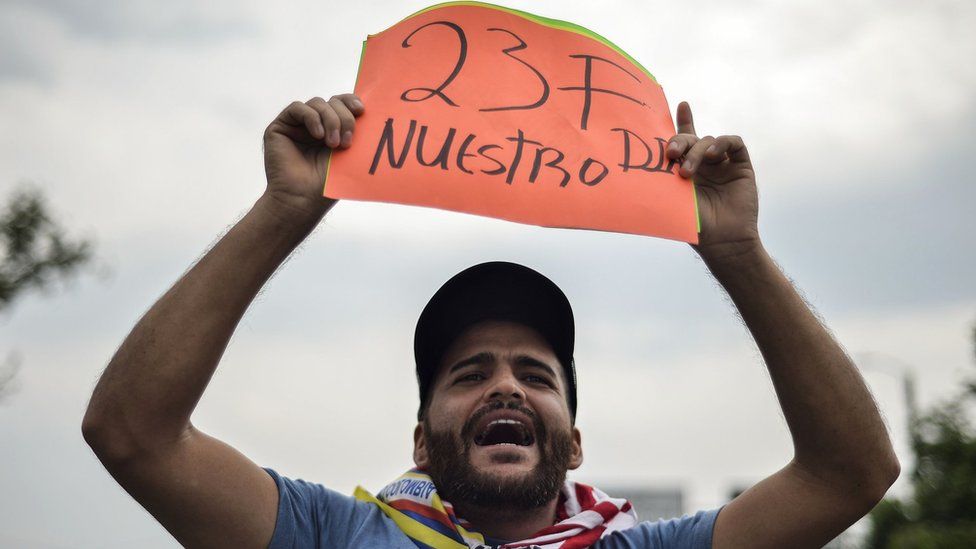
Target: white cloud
[[151, 139]]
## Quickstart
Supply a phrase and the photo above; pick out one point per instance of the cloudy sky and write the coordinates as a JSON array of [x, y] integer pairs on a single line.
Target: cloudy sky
[[143, 122]]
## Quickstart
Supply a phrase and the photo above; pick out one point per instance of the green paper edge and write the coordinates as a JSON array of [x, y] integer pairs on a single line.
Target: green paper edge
[[328, 167], [545, 21], [359, 68]]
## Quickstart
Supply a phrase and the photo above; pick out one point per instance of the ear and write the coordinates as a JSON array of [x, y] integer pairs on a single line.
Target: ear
[[576, 455], [420, 457]]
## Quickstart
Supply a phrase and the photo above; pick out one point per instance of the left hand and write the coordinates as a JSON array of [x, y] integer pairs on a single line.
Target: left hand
[[297, 147], [725, 183]]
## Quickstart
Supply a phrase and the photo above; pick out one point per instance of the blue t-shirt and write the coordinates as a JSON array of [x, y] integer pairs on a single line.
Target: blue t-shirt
[[311, 515]]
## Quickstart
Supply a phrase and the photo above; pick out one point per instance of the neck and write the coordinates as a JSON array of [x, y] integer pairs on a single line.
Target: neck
[[508, 524]]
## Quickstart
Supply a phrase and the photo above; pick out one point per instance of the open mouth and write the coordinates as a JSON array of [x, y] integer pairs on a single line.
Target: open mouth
[[510, 432]]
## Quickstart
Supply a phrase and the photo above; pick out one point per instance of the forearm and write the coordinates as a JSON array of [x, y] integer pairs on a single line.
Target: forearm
[[152, 384], [837, 431]]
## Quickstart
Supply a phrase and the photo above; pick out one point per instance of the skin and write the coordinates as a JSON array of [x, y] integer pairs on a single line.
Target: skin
[[506, 377], [209, 495]]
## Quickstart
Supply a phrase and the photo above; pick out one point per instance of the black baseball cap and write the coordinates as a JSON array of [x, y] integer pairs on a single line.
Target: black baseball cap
[[497, 290]]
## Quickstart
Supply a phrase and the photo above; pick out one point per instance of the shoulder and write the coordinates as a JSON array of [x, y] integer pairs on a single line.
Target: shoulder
[[688, 532], [311, 515]]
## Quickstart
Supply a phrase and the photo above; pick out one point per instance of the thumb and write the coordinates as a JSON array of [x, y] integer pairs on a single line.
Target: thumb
[[686, 122]]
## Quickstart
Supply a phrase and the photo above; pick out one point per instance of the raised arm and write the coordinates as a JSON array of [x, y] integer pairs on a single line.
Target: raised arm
[[843, 461], [201, 490]]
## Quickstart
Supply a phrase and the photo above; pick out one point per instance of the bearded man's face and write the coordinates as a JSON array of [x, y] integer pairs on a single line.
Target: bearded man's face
[[497, 431]]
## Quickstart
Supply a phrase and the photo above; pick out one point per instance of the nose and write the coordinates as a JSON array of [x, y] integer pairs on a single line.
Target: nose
[[505, 386]]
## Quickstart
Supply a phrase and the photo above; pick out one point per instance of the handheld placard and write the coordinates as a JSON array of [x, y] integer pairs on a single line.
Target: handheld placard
[[482, 109]]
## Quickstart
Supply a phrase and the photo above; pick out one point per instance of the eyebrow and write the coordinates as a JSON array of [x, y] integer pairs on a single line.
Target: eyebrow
[[486, 357], [526, 360], [481, 358]]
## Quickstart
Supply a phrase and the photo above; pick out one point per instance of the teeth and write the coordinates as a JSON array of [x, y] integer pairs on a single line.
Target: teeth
[[505, 421]]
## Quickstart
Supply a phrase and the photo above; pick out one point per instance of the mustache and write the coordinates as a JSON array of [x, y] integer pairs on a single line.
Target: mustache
[[467, 431]]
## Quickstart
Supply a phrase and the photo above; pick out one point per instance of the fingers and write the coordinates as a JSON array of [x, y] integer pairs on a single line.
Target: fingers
[[686, 137], [727, 146], [713, 150], [301, 115], [694, 152], [339, 117], [686, 122], [347, 120], [352, 102], [680, 144], [332, 121], [693, 158]]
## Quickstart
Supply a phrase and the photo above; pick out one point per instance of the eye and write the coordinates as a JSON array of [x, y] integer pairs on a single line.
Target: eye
[[531, 378], [472, 376]]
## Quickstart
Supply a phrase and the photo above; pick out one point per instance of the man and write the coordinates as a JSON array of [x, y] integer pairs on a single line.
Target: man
[[496, 433]]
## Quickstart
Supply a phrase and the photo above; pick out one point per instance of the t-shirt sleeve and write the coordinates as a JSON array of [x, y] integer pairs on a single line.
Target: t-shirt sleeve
[[311, 515], [687, 532]]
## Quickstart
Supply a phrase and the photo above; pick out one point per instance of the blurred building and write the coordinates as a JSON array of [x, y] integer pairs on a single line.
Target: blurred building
[[652, 503]]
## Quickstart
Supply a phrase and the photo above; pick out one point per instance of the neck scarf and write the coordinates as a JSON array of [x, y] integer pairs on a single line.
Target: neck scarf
[[583, 515]]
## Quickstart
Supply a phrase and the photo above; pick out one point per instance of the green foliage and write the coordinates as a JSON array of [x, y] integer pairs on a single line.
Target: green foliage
[[941, 514], [887, 518], [935, 536], [34, 251]]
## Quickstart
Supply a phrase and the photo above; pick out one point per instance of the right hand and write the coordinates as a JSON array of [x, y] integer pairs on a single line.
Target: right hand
[[297, 145], [725, 187]]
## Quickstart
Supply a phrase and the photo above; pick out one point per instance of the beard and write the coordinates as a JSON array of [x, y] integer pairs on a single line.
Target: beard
[[458, 481]]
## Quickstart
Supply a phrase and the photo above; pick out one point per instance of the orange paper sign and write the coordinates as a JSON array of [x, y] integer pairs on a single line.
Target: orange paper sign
[[486, 110]]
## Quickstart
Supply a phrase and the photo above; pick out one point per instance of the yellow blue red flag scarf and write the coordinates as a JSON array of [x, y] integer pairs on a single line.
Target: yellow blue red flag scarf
[[584, 515]]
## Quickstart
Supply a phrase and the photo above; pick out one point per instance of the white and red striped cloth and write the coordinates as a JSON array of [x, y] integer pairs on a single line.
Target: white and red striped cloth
[[583, 516]]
